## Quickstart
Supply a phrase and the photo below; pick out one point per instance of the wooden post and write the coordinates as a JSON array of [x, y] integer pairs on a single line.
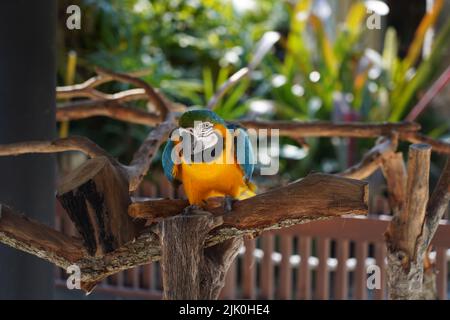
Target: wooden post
[[394, 171], [190, 271], [404, 234]]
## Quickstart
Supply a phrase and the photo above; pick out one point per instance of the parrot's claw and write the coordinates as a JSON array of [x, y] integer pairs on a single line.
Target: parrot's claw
[[228, 204], [190, 209]]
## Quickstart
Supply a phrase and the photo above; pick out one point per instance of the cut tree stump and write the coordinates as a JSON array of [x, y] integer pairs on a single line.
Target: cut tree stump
[[404, 235], [190, 271], [95, 196]]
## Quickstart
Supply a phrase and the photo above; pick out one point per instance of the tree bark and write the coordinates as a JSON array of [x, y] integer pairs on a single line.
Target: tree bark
[[95, 196], [429, 288], [394, 172], [315, 196], [404, 234], [372, 160], [190, 271]]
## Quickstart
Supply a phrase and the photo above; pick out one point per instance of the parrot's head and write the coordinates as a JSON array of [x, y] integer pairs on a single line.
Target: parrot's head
[[200, 124], [193, 117]]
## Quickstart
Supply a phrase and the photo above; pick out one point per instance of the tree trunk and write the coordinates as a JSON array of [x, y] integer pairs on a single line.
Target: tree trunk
[[404, 235], [190, 271]]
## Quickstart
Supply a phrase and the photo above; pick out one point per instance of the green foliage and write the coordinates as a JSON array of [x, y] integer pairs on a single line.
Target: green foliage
[[318, 71]]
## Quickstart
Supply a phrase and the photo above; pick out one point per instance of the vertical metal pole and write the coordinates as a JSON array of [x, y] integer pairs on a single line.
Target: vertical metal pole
[[27, 112]]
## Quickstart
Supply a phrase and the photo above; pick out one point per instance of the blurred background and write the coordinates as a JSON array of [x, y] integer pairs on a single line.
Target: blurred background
[[328, 65], [332, 63], [337, 60]]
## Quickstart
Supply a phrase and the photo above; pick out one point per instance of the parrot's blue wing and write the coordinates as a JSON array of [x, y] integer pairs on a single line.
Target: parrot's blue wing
[[243, 150], [167, 162]]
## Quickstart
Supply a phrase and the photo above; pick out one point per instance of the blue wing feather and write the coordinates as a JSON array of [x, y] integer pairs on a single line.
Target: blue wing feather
[[167, 163], [245, 158]]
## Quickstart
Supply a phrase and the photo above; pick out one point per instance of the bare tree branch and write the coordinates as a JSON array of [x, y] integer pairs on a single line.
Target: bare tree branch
[[415, 137], [143, 157], [74, 143], [286, 204], [153, 96], [87, 88], [437, 206], [317, 196], [296, 129], [371, 160], [110, 108], [112, 105]]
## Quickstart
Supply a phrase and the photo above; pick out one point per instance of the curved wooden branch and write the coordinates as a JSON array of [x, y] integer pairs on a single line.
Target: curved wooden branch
[[317, 196], [437, 206], [75, 143], [109, 108], [111, 105], [143, 157], [87, 88], [19, 232], [371, 160], [153, 96], [436, 145]]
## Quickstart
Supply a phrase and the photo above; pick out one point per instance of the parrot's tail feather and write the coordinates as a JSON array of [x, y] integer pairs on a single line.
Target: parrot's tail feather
[[252, 186], [248, 191]]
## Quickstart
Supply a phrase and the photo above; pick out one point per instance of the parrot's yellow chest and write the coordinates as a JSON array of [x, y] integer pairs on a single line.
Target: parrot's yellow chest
[[214, 179]]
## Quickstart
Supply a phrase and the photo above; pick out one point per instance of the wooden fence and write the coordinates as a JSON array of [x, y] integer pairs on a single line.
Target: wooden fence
[[337, 253]]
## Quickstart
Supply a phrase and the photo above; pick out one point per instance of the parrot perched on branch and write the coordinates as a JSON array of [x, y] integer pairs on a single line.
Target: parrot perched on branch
[[210, 157]]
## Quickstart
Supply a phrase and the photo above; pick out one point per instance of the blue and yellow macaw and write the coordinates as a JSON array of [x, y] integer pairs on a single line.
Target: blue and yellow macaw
[[216, 175]]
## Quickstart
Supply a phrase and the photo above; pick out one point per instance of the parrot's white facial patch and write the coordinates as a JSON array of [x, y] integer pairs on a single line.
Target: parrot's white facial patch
[[203, 129], [203, 134]]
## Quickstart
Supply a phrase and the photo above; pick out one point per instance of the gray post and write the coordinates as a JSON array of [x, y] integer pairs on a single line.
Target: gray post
[[27, 112]]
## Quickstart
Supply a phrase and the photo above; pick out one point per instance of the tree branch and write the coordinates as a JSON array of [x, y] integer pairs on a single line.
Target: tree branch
[[143, 157], [372, 160], [87, 88], [296, 129], [109, 108], [415, 137], [317, 196], [152, 95], [75, 143], [437, 206], [111, 105], [307, 199]]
